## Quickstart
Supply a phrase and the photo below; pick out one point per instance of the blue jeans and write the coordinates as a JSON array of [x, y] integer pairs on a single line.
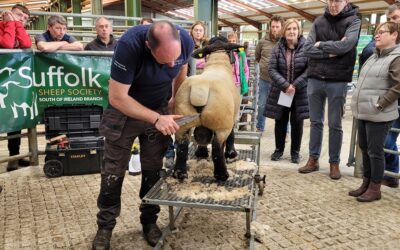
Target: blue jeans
[[318, 92], [392, 161], [170, 153], [263, 89]]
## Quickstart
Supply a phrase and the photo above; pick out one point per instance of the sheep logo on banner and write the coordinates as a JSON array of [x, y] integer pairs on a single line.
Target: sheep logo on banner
[[12, 95], [214, 96]]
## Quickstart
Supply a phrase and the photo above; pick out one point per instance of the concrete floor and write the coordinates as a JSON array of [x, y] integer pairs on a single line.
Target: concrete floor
[[296, 211]]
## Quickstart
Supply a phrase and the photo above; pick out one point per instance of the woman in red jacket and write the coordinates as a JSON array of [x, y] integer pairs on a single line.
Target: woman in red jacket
[[12, 32]]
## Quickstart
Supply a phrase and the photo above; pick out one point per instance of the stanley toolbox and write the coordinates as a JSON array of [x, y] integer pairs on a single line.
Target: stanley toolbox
[[74, 146]]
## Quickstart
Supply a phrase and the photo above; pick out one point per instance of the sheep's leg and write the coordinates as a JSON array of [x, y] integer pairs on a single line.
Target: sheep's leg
[[230, 151], [182, 150], [220, 171]]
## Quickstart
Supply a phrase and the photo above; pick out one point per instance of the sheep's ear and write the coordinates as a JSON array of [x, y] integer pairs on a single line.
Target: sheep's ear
[[198, 53], [233, 46]]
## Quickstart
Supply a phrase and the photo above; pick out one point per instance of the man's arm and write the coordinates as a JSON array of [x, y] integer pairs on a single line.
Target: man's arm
[[50, 46], [24, 41], [75, 46], [7, 35], [347, 42], [178, 80], [176, 83], [310, 50], [119, 99]]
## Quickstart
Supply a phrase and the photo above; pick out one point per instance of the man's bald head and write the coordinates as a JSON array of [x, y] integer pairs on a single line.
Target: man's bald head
[[164, 42]]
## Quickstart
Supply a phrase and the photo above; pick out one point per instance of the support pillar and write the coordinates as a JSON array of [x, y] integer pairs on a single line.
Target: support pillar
[[133, 8], [77, 9], [63, 5], [97, 7], [207, 10]]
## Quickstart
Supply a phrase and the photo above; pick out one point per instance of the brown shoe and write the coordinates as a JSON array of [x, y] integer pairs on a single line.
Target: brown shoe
[[334, 171], [392, 182], [311, 166], [373, 193], [361, 189]]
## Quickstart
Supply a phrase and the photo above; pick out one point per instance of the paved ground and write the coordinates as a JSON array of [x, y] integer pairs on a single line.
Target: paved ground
[[296, 212]]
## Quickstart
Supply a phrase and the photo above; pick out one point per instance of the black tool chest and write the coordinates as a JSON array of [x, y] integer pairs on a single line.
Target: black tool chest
[[80, 147]]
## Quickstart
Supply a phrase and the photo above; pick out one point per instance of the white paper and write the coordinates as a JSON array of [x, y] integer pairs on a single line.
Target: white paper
[[285, 99]]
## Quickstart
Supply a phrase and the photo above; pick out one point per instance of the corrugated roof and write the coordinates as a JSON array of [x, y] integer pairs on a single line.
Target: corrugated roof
[[230, 12]]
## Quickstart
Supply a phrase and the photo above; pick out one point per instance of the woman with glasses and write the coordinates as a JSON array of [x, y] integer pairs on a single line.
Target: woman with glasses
[[374, 105], [287, 69], [198, 34]]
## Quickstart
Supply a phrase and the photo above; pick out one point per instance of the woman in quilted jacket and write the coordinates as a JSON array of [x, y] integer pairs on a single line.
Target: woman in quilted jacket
[[287, 69]]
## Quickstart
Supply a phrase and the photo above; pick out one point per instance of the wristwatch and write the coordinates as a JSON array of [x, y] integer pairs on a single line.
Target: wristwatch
[[378, 107]]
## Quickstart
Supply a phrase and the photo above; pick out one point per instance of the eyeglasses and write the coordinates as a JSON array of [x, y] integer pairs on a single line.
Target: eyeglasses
[[380, 32], [335, 1]]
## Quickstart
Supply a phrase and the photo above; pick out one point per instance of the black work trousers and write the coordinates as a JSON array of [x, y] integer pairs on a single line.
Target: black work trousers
[[296, 133], [120, 131], [14, 144], [371, 139]]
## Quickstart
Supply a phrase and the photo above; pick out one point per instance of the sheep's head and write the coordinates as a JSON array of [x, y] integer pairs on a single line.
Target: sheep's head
[[216, 44]]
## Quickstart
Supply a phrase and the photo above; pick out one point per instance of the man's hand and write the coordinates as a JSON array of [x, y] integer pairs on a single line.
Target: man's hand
[[8, 16], [166, 124], [316, 44]]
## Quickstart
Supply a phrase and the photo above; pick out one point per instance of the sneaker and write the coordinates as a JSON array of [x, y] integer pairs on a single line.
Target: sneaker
[[295, 158], [12, 165], [102, 240], [152, 234], [277, 155], [23, 163]]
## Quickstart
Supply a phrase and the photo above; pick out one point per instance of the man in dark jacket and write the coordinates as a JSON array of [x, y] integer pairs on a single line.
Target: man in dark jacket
[[105, 40], [331, 48]]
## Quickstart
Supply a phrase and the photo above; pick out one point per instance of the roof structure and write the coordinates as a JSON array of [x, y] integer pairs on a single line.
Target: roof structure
[[230, 12]]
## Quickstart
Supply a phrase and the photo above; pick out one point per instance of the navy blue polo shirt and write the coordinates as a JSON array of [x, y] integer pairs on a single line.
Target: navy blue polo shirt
[[133, 64], [46, 37]]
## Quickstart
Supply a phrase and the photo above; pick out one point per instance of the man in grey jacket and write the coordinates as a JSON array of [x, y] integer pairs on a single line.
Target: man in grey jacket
[[331, 48], [262, 56]]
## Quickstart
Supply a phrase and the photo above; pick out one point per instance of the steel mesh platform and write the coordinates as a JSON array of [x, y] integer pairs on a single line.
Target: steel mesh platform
[[163, 193], [242, 187]]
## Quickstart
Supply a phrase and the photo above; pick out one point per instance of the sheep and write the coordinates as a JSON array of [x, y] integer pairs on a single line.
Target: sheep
[[214, 96]]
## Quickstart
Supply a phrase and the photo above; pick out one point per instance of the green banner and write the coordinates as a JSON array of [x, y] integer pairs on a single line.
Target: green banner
[[31, 82]]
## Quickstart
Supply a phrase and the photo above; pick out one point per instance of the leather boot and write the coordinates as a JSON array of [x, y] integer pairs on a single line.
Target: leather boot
[[152, 234], [334, 171], [311, 166], [102, 240], [391, 182], [373, 193], [361, 189]]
